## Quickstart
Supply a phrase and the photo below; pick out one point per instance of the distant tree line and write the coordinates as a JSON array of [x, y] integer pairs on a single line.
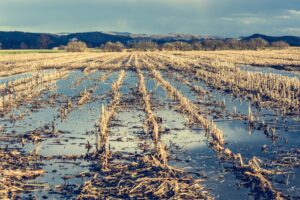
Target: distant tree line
[[207, 44]]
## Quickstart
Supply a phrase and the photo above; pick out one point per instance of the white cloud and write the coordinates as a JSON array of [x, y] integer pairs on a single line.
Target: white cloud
[[227, 18], [245, 18], [283, 17], [291, 30], [289, 14], [294, 12]]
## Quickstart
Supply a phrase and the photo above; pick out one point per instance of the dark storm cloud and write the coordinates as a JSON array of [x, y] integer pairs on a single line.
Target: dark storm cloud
[[213, 17]]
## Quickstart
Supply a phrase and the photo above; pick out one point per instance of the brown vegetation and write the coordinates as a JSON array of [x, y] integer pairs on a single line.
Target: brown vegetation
[[76, 46], [149, 173]]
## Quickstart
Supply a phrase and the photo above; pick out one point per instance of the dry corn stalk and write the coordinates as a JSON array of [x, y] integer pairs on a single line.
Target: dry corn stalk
[[150, 122], [15, 92], [106, 116], [85, 96], [217, 136]]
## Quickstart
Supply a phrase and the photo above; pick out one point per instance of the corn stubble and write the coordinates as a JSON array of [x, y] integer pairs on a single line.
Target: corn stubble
[[150, 175], [251, 170]]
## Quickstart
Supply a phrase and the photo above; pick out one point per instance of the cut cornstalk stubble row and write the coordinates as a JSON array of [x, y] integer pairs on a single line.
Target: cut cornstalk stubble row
[[252, 170], [106, 116], [27, 89], [266, 90], [143, 175], [151, 124]]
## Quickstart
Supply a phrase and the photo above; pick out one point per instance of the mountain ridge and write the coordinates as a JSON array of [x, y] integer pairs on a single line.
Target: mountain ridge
[[291, 40], [26, 40]]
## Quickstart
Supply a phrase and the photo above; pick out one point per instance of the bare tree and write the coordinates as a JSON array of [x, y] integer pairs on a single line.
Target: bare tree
[[233, 44], [182, 46], [280, 44], [197, 46], [113, 47], [76, 46], [145, 46], [257, 43], [168, 47], [214, 44]]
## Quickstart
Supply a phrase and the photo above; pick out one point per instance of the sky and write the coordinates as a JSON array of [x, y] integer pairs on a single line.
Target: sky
[[226, 18]]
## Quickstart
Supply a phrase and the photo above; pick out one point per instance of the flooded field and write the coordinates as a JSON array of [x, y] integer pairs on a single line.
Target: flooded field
[[154, 125]]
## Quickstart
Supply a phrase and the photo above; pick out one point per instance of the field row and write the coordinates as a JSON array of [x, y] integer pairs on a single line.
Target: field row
[[123, 125]]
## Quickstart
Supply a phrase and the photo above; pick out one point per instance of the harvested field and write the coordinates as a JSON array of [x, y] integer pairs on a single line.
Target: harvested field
[[150, 125]]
